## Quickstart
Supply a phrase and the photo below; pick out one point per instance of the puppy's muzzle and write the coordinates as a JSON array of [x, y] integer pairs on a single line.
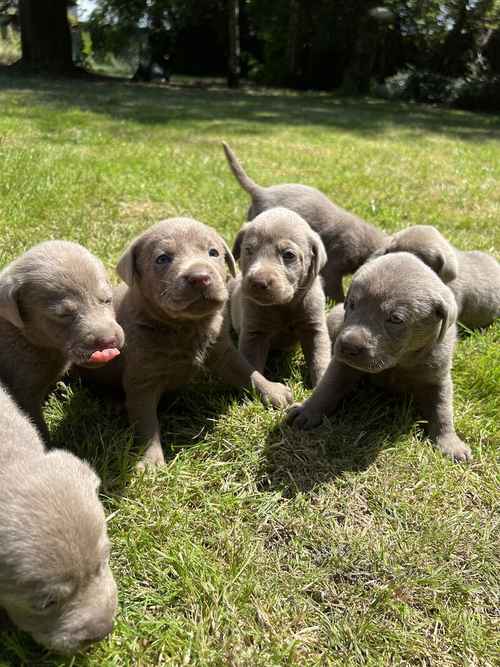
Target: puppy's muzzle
[[260, 283], [198, 279]]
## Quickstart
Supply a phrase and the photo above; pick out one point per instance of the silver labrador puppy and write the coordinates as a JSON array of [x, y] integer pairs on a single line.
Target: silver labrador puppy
[[398, 329], [172, 308], [55, 580], [348, 240], [278, 299], [473, 276], [56, 308]]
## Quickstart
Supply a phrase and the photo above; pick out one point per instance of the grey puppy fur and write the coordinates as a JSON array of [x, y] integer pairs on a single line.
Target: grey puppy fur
[[399, 329], [172, 308], [278, 299], [473, 277], [348, 239], [55, 580], [55, 309]]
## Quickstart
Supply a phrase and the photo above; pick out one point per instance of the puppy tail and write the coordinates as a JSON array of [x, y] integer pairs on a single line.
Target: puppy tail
[[241, 176]]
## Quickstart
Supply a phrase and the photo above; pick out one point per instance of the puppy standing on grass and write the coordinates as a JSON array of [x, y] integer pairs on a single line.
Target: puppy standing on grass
[[348, 240], [399, 329], [55, 309], [55, 580], [278, 299], [473, 277], [172, 308]]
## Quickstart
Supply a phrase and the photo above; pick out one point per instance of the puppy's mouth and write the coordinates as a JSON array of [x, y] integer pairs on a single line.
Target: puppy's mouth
[[373, 366], [96, 358], [202, 304], [268, 297]]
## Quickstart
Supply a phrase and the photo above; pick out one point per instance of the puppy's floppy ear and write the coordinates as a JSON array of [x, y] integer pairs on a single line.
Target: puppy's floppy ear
[[230, 261], [239, 240], [318, 257], [447, 311], [9, 304], [127, 264]]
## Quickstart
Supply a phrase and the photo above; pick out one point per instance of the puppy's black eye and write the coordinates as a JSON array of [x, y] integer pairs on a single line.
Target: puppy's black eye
[[107, 302], [45, 604], [351, 305], [163, 259], [395, 318], [289, 256], [213, 252], [66, 314], [249, 250]]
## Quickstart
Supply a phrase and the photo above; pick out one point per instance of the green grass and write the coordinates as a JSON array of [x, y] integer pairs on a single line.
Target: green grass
[[355, 545]]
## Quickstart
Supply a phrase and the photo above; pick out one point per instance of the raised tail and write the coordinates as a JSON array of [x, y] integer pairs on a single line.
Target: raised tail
[[243, 179]]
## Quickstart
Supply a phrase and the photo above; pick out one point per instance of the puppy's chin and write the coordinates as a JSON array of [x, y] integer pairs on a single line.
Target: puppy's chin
[[366, 364], [64, 646], [196, 309], [269, 298]]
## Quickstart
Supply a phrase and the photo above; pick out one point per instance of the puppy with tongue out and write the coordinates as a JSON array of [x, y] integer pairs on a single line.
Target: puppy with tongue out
[[56, 309], [172, 309]]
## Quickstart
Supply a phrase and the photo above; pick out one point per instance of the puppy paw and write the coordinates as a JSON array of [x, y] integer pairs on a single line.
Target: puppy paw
[[277, 395], [153, 458], [299, 417], [452, 446]]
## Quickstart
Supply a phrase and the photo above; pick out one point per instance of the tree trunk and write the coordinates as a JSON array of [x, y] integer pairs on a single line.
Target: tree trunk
[[45, 35], [233, 64]]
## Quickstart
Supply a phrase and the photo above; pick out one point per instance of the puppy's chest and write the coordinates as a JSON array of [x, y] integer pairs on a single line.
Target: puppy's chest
[[176, 354]]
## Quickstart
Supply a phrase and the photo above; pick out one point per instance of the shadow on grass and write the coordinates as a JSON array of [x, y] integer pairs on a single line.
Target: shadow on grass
[[299, 461], [245, 111], [91, 421]]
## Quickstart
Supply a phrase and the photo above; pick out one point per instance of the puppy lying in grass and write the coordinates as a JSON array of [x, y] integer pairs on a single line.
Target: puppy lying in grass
[[473, 276], [55, 309], [172, 309], [55, 580], [278, 299], [348, 240], [399, 328]]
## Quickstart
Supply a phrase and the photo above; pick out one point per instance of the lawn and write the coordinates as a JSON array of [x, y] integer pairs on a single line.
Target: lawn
[[357, 544]]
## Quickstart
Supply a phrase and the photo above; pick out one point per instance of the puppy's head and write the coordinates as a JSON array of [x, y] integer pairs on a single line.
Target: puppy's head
[[179, 267], [58, 296], [430, 246], [280, 257], [55, 580], [396, 305]]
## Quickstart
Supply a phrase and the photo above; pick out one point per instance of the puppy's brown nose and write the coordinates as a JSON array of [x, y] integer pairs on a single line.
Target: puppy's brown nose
[[98, 630], [106, 343], [198, 279], [260, 283], [350, 348]]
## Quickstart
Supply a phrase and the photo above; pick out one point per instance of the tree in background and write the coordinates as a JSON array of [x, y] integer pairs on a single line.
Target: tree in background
[[45, 35]]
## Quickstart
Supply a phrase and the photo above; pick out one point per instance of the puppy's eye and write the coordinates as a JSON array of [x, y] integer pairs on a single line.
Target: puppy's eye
[[46, 603], [350, 305], [107, 301], [65, 314], [289, 256], [213, 252], [395, 318], [248, 250], [163, 259]]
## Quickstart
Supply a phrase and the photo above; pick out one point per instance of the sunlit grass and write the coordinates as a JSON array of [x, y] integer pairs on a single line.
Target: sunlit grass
[[357, 544]]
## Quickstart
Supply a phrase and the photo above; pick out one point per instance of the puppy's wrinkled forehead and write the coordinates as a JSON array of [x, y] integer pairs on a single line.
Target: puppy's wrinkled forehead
[[58, 268], [181, 236], [394, 276], [278, 224]]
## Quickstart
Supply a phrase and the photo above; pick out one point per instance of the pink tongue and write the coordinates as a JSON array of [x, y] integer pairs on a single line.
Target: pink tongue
[[103, 356]]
